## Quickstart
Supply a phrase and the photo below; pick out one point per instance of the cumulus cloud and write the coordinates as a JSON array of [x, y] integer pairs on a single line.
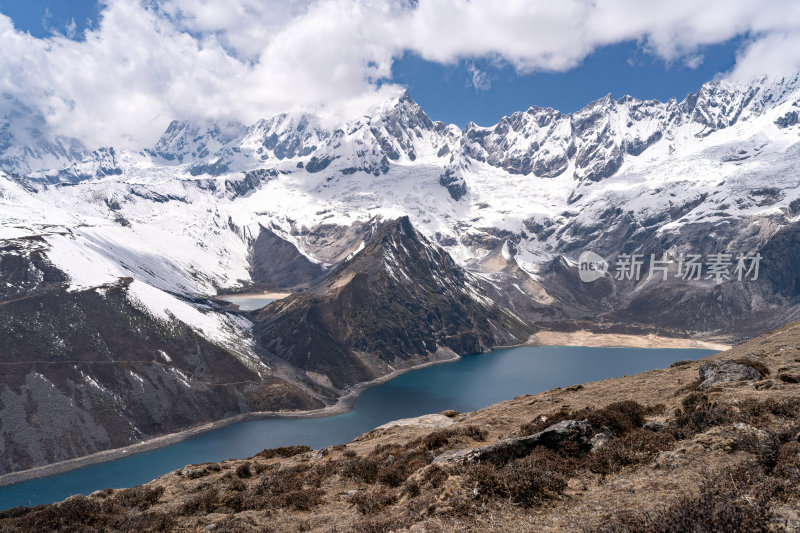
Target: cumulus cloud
[[775, 52], [147, 62]]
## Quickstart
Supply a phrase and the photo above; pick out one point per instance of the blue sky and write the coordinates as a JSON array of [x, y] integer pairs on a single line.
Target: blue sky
[[149, 62], [41, 17], [447, 91]]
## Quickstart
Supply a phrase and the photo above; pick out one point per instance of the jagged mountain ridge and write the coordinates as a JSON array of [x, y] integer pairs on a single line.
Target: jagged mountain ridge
[[222, 208], [651, 174], [328, 165], [539, 141]]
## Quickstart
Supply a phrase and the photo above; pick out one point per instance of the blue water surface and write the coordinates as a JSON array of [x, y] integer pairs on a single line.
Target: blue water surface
[[471, 383]]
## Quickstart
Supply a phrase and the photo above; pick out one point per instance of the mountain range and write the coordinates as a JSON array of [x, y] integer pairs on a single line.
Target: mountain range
[[402, 240]]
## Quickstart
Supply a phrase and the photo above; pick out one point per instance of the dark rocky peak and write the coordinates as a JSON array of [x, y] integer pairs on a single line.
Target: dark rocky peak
[[399, 254], [398, 302]]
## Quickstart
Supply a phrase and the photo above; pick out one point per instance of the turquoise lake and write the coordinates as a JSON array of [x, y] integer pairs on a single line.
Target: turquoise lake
[[248, 303], [471, 383]]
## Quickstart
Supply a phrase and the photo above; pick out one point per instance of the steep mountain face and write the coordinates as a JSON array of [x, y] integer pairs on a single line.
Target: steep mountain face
[[491, 224], [400, 301], [277, 264], [93, 369]]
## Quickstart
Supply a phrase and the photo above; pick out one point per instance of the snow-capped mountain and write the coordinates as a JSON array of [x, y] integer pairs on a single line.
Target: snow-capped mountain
[[291, 203], [547, 182], [24, 145]]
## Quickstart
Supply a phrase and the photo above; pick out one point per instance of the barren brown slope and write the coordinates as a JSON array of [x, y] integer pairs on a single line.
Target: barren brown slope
[[726, 458]]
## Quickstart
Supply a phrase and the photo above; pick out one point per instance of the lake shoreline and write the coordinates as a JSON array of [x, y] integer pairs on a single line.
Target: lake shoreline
[[254, 295], [620, 340], [345, 402]]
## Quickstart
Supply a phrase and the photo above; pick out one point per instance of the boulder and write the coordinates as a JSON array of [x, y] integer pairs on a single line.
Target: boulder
[[601, 439], [505, 450], [715, 372], [655, 425]]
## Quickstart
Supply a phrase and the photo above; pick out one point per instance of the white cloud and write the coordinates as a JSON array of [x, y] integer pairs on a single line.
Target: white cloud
[[767, 54], [149, 61], [478, 79]]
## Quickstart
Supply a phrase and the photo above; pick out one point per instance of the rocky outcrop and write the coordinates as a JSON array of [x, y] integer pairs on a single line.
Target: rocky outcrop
[[726, 371], [505, 450]]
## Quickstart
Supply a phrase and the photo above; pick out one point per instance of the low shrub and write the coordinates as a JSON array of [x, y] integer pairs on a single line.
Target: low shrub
[[621, 417], [526, 481], [442, 437], [300, 500], [542, 422], [364, 469], [412, 488], [380, 524], [203, 502], [393, 475], [755, 364], [729, 502], [370, 502], [141, 497], [699, 414], [283, 451], [435, 476], [145, 522], [637, 447], [243, 470], [787, 464]]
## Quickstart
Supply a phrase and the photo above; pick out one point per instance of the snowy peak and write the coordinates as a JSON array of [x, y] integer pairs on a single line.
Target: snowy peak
[[185, 141], [720, 104], [590, 144], [24, 145], [285, 136], [401, 129], [396, 132], [597, 139]]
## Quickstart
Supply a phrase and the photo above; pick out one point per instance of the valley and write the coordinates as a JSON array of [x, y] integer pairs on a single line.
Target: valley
[[400, 241]]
